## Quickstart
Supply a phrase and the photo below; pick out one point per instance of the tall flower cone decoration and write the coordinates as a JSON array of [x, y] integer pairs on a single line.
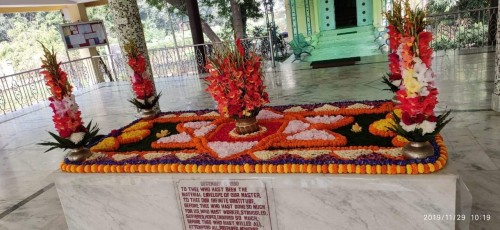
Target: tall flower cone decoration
[[417, 93], [236, 83], [145, 99], [67, 116]]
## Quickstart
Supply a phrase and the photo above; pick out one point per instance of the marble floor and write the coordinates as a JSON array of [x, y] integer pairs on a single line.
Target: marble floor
[[28, 199]]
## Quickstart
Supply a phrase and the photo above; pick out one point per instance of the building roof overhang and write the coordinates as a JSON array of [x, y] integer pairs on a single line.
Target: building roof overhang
[[9, 6]]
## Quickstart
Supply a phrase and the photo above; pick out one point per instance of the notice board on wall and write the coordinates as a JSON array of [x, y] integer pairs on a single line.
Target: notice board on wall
[[83, 34]]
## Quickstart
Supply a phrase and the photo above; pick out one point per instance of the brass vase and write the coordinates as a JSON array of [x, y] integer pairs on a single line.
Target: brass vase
[[147, 114], [418, 150], [79, 154], [246, 125]]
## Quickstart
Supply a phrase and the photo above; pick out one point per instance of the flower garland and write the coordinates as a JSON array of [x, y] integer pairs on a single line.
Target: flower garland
[[236, 81], [133, 136], [139, 125], [380, 128], [108, 144], [328, 168]]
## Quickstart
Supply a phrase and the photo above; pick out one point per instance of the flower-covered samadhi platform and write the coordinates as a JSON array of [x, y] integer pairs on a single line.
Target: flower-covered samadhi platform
[[340, 137]]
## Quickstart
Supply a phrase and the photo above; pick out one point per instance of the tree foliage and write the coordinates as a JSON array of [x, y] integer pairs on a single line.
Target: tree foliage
[[443, 6], [19, 34], [216, 12]]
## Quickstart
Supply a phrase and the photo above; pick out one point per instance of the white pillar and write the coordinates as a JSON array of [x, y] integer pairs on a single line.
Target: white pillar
[[127, 20]]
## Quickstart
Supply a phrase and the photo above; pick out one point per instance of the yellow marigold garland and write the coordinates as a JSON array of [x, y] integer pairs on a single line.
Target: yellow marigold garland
[[379, 128], [133, 136], [420, 168], [139, 126], [106, 145], [399, 141]]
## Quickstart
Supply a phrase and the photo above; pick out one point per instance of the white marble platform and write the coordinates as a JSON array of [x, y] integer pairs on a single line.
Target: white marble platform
[[299, 201]]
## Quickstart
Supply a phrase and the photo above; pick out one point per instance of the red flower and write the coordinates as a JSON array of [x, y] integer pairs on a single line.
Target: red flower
[[235, 81], [394, 37], [424, 49], [241, 49], [417, 109], [395, 77], [394, 63], [143, 89], [137, 64], [407, 52], [432, 118], [65, 121]]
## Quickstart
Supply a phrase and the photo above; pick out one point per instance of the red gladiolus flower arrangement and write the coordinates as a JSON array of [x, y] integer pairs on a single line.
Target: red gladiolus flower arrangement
[[236, 81], [411, 62], [145, 97], [67, 116]]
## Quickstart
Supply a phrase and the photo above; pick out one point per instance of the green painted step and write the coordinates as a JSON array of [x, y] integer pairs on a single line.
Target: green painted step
[[352, 42]]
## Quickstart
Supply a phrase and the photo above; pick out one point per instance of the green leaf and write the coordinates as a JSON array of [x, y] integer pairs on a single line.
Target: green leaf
[[385, 80], [65, 143]]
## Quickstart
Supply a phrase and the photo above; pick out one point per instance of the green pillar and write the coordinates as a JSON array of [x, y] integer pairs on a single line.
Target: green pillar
[[293, 18], [307, 9]]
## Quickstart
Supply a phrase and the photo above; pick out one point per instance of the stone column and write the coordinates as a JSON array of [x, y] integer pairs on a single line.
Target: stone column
[[495, 97], [78, 13], [127, 22]]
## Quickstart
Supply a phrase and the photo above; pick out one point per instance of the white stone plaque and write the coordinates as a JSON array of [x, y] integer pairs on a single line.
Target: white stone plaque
[[224, 204]]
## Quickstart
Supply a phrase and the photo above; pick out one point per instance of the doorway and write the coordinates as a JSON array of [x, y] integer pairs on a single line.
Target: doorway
[[345, 13]]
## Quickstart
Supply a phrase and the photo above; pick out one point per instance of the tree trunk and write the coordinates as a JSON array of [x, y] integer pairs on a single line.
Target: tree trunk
[[237, 20], [207, 30], [243, 12]]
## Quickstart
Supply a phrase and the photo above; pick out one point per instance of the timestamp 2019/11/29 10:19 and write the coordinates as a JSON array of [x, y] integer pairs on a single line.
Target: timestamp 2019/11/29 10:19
[[458, 217]]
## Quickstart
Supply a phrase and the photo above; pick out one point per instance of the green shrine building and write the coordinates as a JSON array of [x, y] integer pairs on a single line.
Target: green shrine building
[[313, 16], [341, 28]]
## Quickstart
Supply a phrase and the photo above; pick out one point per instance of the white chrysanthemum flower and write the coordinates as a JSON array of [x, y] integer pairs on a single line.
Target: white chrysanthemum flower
[[76, 137], [408, 128], [424, 92], [427, 127]]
